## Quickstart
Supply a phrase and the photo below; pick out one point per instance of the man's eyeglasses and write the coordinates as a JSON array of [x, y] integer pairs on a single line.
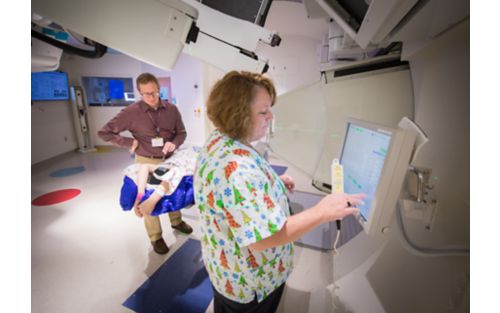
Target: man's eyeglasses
[[150, 94]]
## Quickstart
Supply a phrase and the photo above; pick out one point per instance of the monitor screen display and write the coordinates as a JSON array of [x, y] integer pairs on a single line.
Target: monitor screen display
[[363, 157], [46, 86], [375, 161], [108, 91]]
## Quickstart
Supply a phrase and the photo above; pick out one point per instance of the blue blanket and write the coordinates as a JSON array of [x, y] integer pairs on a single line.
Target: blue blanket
[[182, 196]]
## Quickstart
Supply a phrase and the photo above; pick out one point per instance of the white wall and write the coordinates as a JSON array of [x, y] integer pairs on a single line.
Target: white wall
[[52, 131], [187, 88], [211, 75]]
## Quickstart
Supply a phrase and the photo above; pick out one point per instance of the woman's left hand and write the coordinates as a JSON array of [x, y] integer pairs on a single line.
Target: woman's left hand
[[288, 181]]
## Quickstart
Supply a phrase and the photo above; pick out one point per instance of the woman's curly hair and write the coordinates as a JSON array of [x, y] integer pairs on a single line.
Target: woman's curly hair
[[228, 105]]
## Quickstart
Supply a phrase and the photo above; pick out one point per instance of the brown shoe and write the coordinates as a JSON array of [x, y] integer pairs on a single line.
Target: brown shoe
[[183, 227], [160, 246]]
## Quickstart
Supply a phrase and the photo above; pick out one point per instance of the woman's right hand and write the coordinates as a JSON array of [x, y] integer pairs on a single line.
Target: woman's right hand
[[336, 206]]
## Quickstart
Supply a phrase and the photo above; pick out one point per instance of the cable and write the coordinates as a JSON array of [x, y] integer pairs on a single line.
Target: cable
[[242, 51], [99, 50], [425, 251], [339, 226], [389, 48], [77, 37], [338, 222]]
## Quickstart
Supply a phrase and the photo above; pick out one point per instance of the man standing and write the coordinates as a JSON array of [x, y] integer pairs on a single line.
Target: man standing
[[158, 130]]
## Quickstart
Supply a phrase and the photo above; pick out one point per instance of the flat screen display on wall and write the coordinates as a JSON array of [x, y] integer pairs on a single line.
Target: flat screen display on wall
[[108, 91], [49, 86]]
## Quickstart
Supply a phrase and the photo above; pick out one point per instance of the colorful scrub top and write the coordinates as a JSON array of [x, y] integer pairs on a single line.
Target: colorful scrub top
[[241, 200]]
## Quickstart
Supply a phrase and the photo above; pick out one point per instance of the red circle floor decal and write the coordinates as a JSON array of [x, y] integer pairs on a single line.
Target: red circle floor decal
[[57, 196]]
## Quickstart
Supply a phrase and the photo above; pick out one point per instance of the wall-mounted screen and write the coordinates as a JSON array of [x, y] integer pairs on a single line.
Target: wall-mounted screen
[[49, 86], [108, 91]]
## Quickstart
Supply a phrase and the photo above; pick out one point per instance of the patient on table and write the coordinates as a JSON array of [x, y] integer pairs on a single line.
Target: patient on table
[[157, 189]]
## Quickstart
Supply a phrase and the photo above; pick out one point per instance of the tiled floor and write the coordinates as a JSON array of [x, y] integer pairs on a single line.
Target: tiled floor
[[87, 255]]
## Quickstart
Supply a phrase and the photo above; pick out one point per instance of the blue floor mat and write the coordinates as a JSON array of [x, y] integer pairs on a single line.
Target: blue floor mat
[[180, 285], [67, 171]]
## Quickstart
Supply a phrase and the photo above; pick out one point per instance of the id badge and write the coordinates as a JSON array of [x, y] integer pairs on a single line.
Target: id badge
[[157, 142]]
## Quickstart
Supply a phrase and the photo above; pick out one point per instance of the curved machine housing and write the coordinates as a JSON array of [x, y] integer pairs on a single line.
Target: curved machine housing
[[157, 31]]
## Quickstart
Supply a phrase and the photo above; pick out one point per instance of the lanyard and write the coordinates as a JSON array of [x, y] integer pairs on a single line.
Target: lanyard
[[157, 127]]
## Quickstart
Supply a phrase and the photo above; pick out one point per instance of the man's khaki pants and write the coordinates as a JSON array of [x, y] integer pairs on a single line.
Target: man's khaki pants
[[152, 223]]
